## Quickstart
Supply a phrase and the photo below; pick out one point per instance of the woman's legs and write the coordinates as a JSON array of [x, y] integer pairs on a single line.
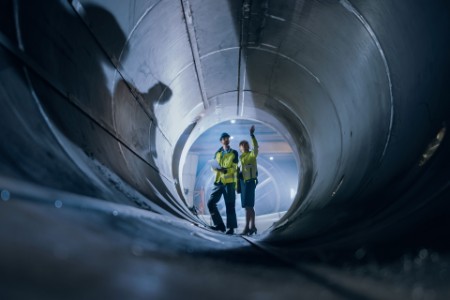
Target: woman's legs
[[247, 221], [252, 221], [248, 218], [248, 201], [251, 216]]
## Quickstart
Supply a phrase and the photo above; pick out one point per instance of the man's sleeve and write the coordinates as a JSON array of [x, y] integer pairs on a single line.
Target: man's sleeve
[[215, 158], [233, 167]]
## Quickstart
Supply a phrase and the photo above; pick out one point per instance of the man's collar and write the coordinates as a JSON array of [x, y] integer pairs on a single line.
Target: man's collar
[[226, 150]]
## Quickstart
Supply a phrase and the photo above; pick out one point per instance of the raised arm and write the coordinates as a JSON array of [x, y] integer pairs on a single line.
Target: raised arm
[[254, 141]]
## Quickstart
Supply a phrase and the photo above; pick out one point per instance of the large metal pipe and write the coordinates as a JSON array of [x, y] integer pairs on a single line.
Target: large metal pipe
[[358, 88]]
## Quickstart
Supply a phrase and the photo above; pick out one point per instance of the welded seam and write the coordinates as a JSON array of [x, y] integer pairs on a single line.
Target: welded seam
[[55, 132], [186, 67], [138, 23], [301, 203], [189, 21], [242, 69], [218, 51], [173, 204], [348, 6], [277, 52], [291, 60], [132, 90], [212, 97], [8, 45], [304, 203]]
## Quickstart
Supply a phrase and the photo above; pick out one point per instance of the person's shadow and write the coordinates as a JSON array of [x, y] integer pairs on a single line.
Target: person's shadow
[[159, 94], [82, 47], [144, 137], [142, 142]]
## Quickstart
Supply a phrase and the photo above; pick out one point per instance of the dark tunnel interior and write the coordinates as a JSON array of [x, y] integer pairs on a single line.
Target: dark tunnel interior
[[101, 102]]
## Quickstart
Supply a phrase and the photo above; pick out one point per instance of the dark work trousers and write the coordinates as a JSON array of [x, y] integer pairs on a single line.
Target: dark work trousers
[[229, 194]]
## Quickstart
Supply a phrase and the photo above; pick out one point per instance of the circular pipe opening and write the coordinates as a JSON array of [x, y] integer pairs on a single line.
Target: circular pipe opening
[[278, 172]]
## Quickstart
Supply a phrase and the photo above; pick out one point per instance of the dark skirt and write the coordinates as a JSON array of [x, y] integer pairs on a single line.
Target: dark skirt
[[248, 192]]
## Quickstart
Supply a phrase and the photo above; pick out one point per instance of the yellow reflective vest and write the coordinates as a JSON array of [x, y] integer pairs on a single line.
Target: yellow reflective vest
[[248, 162], [227, 159]]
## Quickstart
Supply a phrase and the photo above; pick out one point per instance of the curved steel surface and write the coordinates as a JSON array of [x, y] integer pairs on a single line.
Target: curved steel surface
[[104, 98]]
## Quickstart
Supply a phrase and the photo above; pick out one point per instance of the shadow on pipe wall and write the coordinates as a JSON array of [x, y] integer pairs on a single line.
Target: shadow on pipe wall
[[78, 91]]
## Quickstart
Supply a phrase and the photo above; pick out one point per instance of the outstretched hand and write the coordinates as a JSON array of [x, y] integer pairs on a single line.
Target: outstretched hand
[[252, 129]]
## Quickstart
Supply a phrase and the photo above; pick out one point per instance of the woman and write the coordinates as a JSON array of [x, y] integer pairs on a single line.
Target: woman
[[248, 181]]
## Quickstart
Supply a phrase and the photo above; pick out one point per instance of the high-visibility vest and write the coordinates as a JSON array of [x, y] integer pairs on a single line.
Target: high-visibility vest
[[229, 160], [249, 166]]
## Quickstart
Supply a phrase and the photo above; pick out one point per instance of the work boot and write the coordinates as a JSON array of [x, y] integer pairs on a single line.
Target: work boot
[[218, 227], [230, 231]]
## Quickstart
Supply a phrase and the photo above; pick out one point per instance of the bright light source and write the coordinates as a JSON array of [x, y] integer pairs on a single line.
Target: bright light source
[[233, 121], [231, 137], [271, 158]]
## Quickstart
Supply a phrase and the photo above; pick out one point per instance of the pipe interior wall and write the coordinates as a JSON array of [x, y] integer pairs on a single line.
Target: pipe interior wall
[[358, 88]]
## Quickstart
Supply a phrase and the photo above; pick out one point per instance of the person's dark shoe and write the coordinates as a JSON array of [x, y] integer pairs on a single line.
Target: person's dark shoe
[[218, 228], [252, 231], [230, 231], [245, 232]]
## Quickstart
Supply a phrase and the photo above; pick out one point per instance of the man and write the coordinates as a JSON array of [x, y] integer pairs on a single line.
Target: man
[[248, 180], [224, 184]]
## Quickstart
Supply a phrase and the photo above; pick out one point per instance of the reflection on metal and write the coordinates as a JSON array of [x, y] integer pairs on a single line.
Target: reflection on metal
[[338, 187], [433, 146], [347, 5]]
